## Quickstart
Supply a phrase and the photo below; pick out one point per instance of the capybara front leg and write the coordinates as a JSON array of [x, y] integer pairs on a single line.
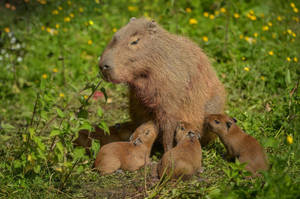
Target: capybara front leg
[[168, 130]]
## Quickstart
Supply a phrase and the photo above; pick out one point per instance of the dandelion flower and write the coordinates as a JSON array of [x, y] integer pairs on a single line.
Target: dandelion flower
[[292, 5], [271, 53], [246, 69], [279, 18], [55, 12], [48, 30], [69, 2], [85, 97], [43, 2], [91, 22], [251, 12], [90, 42], [29, 158], [295, 59], [262, 78], [211, 16], [223, 10], [55, 70], [114, 30], [7, 30], [60, 8], [253, 18], [265, 28], [296, 19], [217, 12], [205, 38], [80, 9], [270, 24], [132, 8], [67, 19], [289, 31], [295, 10], [44, 76], [61, 95], [289, 139], [288, 59], [236, 15], [255, 34], [241, 36], [57, 26], [193, 21], [243, 58], [205, 14], [71, 15], [188, 10]]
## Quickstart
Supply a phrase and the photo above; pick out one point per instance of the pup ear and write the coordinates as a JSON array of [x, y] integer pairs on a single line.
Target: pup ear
[[228, 124], [137, 142], [191, 134], [132, 19], [131, 137], [152, 26], [234, 119]]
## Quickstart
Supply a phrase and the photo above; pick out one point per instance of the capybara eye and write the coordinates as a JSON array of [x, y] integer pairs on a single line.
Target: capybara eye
[[217, 121], [147, 132], [135, 42], [182, 128]]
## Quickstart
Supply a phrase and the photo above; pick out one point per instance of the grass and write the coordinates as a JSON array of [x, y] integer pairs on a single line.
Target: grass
[[48, 58]]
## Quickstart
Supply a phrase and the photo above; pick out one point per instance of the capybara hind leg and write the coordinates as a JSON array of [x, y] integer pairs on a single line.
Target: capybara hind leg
[[108, 166]]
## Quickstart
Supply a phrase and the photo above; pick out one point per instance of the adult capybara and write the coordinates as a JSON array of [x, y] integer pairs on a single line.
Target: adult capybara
[[184, 159], [169, 76], [238, 144], [127, 155]]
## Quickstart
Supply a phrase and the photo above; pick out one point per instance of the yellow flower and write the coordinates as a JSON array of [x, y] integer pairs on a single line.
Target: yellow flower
[[7, 30], [80, 9], [55, 70], [69, 2], [132, 8], [289, 31], [188, 10], [295, 10], [85, 97], [294, 34], [217, 12], [205, 14], [253, 18], [270, 24], [193, 21], [223, 10], [251, 12], [289, 139], [48, 30], [43, 28], [91, 22], [90, 42], [255, 34], [241, 36], [243, 58], [67, 19], [211, 16], [44, 76], [43, 2], [61, 95], [60, 8], [292, 5], [114, 30], [295, 59], [271, 53], [55, 12], [296, 19], [279, 18], [247, 38], [262, 78], [97, 1], [246, 69], [59, 169], [57, 26], [71, 15], [205, 38], [265, 28], [29, 158], [236, 15], [288, 59]]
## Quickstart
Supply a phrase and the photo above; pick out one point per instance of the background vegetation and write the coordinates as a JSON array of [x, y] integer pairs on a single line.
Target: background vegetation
[[48, 58]]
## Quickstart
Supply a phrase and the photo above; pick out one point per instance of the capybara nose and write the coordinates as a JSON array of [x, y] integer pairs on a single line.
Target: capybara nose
[[106, 67]]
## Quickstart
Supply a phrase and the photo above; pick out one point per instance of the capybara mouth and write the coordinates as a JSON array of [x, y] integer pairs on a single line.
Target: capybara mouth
[[107, 77]]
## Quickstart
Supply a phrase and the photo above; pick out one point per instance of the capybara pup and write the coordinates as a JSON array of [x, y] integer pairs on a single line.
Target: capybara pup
[[184, 159], [127, 155], [238, 144], [170, 78]]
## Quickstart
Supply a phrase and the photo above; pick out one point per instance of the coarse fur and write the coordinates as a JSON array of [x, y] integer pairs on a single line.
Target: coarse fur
[[169, 76], [238, 144], [184, 159], [127, 155]]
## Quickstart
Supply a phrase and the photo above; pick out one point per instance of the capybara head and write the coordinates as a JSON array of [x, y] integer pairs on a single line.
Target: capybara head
[[219, 123], [131, 47], [146, 133], [184, 129]]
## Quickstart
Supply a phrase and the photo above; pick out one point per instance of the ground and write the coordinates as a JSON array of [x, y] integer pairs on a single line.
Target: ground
[[49, 90]]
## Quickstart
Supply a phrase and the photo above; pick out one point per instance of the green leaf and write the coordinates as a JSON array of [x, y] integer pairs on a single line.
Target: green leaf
[[83, 114], [37, 168], [104, 127], [79, 153], [17, 164], [7, 126], [31, 132], [288, 77], [104, 92], [100, 112], [39, 142], [60, 113], [95, 147], [85, 126], [55, 132], [60, 147]]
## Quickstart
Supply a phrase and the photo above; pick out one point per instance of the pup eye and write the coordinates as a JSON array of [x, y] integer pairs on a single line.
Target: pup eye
[[217, 121], [182, 128], [147, 132], [135, 42]]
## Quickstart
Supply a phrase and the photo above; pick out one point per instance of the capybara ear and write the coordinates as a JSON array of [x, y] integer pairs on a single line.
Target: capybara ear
[[152, 26], [137, 142], [228, 124], [234, 119], [132, 19], [131, 137]]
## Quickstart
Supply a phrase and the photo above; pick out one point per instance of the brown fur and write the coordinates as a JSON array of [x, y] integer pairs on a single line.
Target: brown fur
[[238, 144], [184, 159], [120, 132], [127, 155], [169, 76]]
